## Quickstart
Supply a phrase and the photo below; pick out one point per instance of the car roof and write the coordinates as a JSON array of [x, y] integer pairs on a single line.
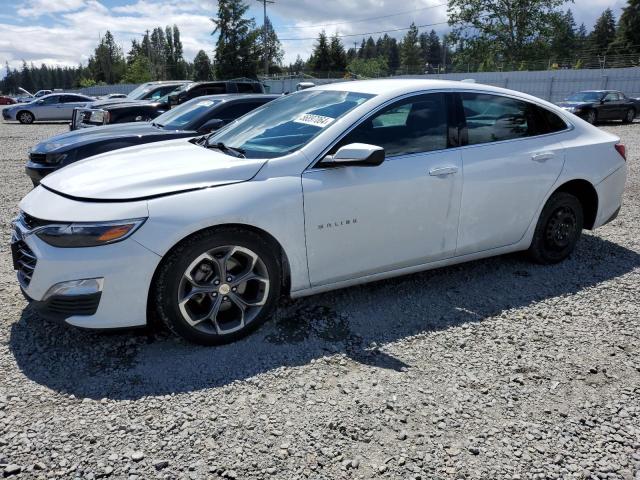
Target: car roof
[[227, 97], [392, 88]]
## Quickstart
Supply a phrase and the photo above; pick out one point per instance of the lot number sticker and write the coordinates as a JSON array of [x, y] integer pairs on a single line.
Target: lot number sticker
[[315, 120]]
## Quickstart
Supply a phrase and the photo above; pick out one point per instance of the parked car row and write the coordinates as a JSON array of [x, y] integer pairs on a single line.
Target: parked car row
[[325, 188], [198, 116], [153, 100], [142, 104]]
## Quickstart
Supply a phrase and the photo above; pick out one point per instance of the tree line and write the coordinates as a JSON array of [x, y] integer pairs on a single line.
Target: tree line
[[483, 36]]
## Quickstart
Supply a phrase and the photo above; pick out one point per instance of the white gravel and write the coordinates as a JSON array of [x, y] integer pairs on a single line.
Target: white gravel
[[493, 369]]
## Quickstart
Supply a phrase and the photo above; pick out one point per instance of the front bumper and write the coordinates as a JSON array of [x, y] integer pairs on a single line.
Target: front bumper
[[126, 269], [6, 114]]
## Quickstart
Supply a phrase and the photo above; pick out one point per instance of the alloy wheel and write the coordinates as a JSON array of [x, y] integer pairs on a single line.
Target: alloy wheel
[[591, 117], [223, 290]]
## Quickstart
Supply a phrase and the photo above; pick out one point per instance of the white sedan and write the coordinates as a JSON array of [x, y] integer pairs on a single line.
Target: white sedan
[[322, 189]]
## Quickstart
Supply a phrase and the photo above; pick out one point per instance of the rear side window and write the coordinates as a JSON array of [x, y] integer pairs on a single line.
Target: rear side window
[[246, 88], [494, 118], [416, 124], [549, 122], [215, 89], [237, 110]]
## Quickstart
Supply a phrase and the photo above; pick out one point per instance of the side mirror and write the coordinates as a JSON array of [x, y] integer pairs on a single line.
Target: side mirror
[[40, 102], [356, 154], [211, 125], [173, 100]]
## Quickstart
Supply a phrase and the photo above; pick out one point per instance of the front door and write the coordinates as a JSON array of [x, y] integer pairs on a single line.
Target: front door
[[404, 212]]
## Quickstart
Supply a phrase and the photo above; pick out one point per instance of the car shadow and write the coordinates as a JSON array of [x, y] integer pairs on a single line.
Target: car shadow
[[353, 321]]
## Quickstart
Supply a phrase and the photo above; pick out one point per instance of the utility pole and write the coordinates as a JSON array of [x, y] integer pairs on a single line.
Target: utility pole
[[265, 37]]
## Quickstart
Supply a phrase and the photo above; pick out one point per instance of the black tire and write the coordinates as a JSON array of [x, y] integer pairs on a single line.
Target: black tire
[[25, 117], [558, 230], [170, 278], [592, 117], [629, 116]]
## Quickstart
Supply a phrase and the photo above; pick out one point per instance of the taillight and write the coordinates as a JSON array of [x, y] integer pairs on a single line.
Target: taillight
[[622, 150], [107, 117]]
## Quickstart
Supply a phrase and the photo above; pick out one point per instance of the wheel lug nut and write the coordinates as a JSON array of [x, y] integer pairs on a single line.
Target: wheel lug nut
[[233, 289], [225, 298], [217, 282], [229, 279]]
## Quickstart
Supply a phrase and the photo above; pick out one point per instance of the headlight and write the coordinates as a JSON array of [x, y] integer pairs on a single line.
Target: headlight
[[570, 109], [99, 116], [74, 235]]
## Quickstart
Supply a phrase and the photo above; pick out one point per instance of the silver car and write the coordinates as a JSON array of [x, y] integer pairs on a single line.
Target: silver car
[[56, 106]]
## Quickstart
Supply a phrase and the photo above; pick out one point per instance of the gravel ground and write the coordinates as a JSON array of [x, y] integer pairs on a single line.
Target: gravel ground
[[493, 369]]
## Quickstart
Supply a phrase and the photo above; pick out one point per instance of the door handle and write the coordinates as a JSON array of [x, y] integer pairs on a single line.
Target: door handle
[[542, 157], [441, 171]]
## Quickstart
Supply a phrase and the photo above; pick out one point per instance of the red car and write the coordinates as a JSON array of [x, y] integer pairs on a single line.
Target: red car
[[4, 100]]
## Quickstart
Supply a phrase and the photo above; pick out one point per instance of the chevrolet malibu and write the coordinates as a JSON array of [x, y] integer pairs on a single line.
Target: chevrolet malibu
[[326, 188]]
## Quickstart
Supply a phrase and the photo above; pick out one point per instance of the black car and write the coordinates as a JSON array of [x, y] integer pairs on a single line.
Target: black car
[[198, 116], [145, 110], [597, 105]]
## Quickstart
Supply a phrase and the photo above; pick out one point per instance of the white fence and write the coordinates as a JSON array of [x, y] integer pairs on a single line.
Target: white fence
[[552, 85]]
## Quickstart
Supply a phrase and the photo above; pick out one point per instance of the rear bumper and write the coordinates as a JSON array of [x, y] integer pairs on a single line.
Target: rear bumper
[[610, 192]]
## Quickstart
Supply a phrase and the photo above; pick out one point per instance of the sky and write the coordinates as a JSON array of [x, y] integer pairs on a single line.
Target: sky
[[65, 32]]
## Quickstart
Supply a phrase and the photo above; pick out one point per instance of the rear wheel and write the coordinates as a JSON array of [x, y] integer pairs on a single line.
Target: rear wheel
[[629, 116], [558, 230], [25, 117], [592, 117], [217, 287]]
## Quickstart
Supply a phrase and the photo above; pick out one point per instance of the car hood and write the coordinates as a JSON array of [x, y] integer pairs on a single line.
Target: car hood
[[574, 104], [150, 170], [83, 136], [114, 101]]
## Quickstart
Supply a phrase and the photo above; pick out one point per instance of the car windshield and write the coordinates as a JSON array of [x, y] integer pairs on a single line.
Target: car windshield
[[182, 116], [585, 97], [288, 123]]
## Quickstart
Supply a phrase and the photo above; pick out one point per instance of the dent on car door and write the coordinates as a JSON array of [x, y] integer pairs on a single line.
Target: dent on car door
[[404, 212], [510, 164]]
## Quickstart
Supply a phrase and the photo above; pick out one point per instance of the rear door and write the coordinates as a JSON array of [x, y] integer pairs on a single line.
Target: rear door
[[511, 160]]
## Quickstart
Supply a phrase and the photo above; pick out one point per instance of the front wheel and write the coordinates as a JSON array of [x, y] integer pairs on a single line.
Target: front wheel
[[629, 116], [592, 117], [558, 230], [217, 287], [26, 117]]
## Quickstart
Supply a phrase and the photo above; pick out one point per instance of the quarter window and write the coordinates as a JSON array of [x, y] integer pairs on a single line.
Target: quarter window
[[417, 124], [493, 118]]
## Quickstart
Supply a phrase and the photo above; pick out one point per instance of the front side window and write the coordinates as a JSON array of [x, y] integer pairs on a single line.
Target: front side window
[[288, 123], [50, 100], [585, 97], [611, 97], [417, 124]]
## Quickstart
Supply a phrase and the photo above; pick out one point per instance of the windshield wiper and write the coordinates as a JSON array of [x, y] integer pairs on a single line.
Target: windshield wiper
[[233, 151], [155, 124]]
